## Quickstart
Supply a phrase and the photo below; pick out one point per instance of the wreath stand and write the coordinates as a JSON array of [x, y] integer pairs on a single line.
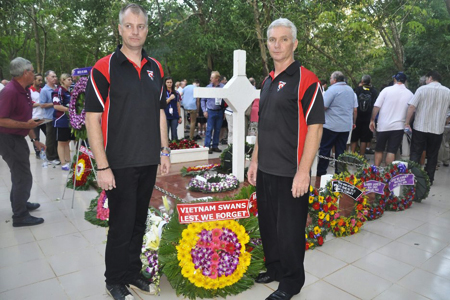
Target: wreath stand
[[79, 142]]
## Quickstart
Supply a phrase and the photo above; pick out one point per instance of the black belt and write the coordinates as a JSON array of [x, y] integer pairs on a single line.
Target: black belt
[[215, 109]]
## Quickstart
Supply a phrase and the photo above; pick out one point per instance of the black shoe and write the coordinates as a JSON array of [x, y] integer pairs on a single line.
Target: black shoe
[[279, 295], [445, 165], [28, 221], [32, 206], [216, 150], [224, 142], [141, 284], [369, 151], [210, 151], [263, 278], [119, 292]]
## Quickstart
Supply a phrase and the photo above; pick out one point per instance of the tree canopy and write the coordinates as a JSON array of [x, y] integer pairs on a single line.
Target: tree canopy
[[193, 37]]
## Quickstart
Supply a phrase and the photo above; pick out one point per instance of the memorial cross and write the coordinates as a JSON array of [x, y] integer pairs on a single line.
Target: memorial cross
[[238, 93]]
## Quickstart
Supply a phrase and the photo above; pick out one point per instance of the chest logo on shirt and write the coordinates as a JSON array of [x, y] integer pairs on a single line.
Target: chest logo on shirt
[[281, 84], [150, 74]]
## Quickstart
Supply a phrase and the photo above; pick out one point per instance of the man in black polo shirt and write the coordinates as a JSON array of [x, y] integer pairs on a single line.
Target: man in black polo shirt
[[126, 126], [291, 116]]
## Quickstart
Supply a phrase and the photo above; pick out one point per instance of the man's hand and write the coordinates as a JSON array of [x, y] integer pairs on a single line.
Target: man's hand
[[251, 173], [39, 145], [179, 120], [32, 123], [372, 126], [105, 180], [300, 185], [165, 165], [205, 114]]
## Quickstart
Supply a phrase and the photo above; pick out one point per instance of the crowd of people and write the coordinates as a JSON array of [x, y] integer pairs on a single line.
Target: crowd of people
[[353, 116], [293, 119]]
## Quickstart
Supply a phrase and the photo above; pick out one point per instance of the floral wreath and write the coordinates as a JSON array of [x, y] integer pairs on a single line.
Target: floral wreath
[[213, 183], [350, 157], [344, 226], [102, 207], [198, 170], [150, 246], [206, 260], [321, 210], [183, 144], [77, 118], [98, 211], [423, 184], [81, 173], [376, 209], [394, 203]]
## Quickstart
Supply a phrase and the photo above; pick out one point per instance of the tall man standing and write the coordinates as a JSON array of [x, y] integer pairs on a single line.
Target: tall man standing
[[291, 114], [126, 126], [431, 103], [340, 116], [191, 105], [213, 112], [391, 104], [46, 101], [16, 123]]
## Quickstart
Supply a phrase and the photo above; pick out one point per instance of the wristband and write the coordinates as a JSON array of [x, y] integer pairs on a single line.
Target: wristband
[[96, 169], [165, 148], [33, 140], [165, 154]]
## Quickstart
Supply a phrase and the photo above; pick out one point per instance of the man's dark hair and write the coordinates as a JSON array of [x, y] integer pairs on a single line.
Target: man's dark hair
[[366, 79], [435, 75], [323, 81], [37, 74], [197, 81]]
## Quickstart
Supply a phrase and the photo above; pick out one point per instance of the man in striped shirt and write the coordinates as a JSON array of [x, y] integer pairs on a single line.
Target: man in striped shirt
[[430, 103]]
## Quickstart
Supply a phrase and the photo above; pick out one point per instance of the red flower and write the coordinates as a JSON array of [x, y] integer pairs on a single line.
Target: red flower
[[320, 222], [320, 240], [325, 208], [316, 205], [230, 248], [307, 246], [311, 234]]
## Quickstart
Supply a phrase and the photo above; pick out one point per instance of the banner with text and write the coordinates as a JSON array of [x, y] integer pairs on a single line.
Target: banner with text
[[373, 186], [346, 188], [213, 211], [86, 151], [402, 179]]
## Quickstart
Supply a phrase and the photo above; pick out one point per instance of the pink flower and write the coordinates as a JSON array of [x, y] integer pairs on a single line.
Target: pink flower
[[216, 233]]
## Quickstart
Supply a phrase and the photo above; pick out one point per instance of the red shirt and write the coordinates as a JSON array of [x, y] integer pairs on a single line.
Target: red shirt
[[15, 104]]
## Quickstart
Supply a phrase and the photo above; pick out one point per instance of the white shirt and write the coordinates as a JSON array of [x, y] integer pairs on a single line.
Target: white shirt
[[393, 104], [432, 102]]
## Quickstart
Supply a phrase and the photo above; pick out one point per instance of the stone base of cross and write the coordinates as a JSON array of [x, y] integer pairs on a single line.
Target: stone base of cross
[[238, 94]]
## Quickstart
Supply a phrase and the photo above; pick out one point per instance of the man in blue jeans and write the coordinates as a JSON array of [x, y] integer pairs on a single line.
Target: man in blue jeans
[[213, 112], [340, 117]]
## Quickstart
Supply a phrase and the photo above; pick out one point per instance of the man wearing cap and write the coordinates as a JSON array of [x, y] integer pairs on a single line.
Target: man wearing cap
[[431, 103], [391, 105]]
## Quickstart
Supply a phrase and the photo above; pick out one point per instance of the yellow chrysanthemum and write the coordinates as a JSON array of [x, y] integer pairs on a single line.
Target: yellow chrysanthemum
[[327, 217], [321, 215], [332, 223], [311, 199], [311, 189], [321, 199], [81, 166], [342, 229], [317, 230], [356, 229]]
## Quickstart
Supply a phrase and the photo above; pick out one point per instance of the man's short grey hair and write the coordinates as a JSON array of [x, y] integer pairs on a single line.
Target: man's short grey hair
[[283, 22], [366, 79], [48, 73], [338, 76], [18, 66], [135, 9]]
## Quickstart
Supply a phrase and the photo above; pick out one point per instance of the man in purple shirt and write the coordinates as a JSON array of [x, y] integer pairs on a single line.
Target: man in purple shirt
[[16, 123]]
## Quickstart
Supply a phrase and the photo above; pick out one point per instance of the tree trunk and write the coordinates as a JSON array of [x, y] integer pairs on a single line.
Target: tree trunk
[[36, 40], [447, 2], [260, 36]]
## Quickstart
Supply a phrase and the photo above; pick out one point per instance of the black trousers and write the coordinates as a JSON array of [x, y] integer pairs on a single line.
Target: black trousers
[[15, 152], [282, 221], [429, 142], [329, 139], [51, 144], [128, 205]]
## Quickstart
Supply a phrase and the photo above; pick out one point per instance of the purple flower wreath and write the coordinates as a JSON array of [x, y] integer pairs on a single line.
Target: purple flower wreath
[[77, 98]]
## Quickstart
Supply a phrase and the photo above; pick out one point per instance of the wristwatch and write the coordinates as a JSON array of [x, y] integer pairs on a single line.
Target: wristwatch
[[33, 140], [165, 148]]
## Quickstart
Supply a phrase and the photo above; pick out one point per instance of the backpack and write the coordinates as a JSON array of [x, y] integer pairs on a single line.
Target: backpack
[[365, 100]]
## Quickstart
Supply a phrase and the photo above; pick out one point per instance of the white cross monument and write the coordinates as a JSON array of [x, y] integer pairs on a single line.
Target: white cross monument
[[239, 94]]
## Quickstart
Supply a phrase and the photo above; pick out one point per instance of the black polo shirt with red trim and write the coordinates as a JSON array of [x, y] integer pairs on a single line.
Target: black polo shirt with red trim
[[288, 104], [130, 99]]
